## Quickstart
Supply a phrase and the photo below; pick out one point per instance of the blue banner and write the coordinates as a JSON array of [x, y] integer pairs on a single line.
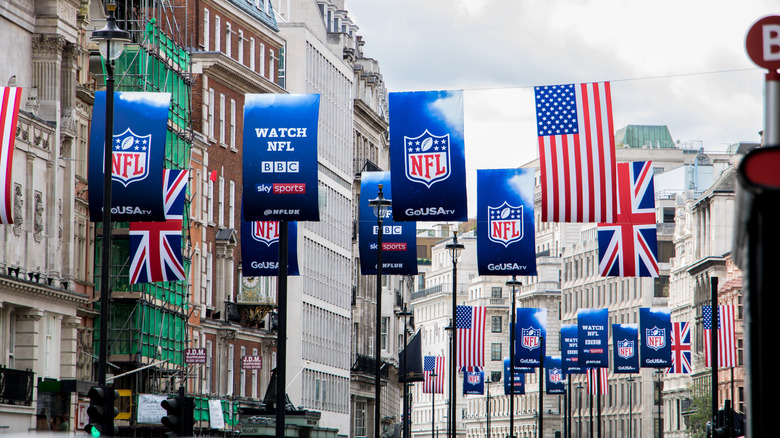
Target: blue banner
[[569, 351], [655, 328], [474, 382], [505, 222], [554, 375], [519, 383], [625, 343], [137, 153], [530, 336], [427, 156], [280, 157], [260, 248], [593, 334], [399, 239]]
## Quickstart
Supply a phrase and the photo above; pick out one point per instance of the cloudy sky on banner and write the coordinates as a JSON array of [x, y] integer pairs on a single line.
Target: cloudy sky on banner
[[675, 63]]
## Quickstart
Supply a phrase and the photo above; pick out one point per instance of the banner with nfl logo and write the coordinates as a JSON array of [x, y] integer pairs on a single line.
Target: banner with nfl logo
[[280, 157], [655, 329], [593, 334], [530, 335], [137, 154], [625, 340], [427, 156], [554, 375], [519, 383], [473, 382], [260, 248], [569, 351], [399, 239], [505, 222]]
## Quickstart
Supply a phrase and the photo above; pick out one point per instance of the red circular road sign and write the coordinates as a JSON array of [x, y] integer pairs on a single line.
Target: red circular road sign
[[762, 42]]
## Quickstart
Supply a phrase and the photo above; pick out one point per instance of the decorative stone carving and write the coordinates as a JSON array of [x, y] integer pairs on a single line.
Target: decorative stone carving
[[18, 205], [38, 219]]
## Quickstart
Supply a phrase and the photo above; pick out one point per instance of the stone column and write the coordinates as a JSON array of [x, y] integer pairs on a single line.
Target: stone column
[[69, 346], [46, 66], [28, 351]]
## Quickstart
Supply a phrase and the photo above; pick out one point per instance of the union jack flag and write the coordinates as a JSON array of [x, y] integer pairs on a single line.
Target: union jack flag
[[727, 352], [598, 381], [576, 152], [433, 384], [629, 247], [10, 98], [681, 348], [470, 323], [155, 247]]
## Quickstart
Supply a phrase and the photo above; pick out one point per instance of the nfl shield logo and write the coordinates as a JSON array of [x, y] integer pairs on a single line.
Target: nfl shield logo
[[427, 158], [530, 338], [130, 157], [474, 378], [656, 338], [505, 224], [556, 375], [625, 348], [265, 231]]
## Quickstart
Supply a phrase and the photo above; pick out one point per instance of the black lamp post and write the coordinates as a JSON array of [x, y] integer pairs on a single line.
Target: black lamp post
[[579, 410], [630, 381], [380, 205], [514, 284], [433, 402], [455, 249], [405, 313], [111, 40]]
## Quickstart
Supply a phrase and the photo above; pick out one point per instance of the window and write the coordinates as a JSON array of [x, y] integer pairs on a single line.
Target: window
[[210, 120], [228, 40], [240, 46], [252, 53], [254, 377], [221, 202], [206, 33], [668, 215], [495, 376], [207, 383], [495, 324], [496, 292], [217, 33], [230, 366], [232, 205], [360, 419], [262, 59], [242, 376], [233, 124], [271, 58], [222, 132], [383, 329], [495, 351]]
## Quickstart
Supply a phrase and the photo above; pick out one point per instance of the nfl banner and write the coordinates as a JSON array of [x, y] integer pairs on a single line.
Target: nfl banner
[[569, 351], [625, 339], [530, 335], [519, 380], [260, 248], [427, 156], [280, 157], [505, 222], [137, 153], [473, 382], [655, 327], [10, 99], [554, 375], [399, 239], [593, 334]]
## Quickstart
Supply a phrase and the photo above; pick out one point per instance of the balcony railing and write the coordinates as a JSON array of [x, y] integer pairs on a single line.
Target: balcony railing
[[367, 365], [17, 387]]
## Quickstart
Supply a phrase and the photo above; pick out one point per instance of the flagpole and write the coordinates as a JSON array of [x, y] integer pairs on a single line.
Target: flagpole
[[514, 283], [598, 403], [714, 347], [541, 383]]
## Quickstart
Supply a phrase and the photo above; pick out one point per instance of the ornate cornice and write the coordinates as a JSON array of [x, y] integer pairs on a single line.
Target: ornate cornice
[[228, 71], [20, 287]]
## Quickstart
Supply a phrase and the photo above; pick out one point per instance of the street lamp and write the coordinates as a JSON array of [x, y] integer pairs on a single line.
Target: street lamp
[[405, 313], [380, 206], [514, 284], [630, 381], [579, 409], [659, 373], [111, 41], [455, 249]]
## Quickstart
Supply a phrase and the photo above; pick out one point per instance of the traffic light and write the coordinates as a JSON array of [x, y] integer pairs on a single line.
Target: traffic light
[[174, 407], [180, 420], [101, 411]]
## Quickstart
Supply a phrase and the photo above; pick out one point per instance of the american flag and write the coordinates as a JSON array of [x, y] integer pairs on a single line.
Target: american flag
[[727, 351], [628, 247], [576, 152], [470, 323], [681, 348], [10, 98], [431, 365], [594, 374], [155, 247]]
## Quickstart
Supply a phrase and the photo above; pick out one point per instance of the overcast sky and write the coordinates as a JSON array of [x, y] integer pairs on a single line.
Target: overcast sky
[[678, 63]]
